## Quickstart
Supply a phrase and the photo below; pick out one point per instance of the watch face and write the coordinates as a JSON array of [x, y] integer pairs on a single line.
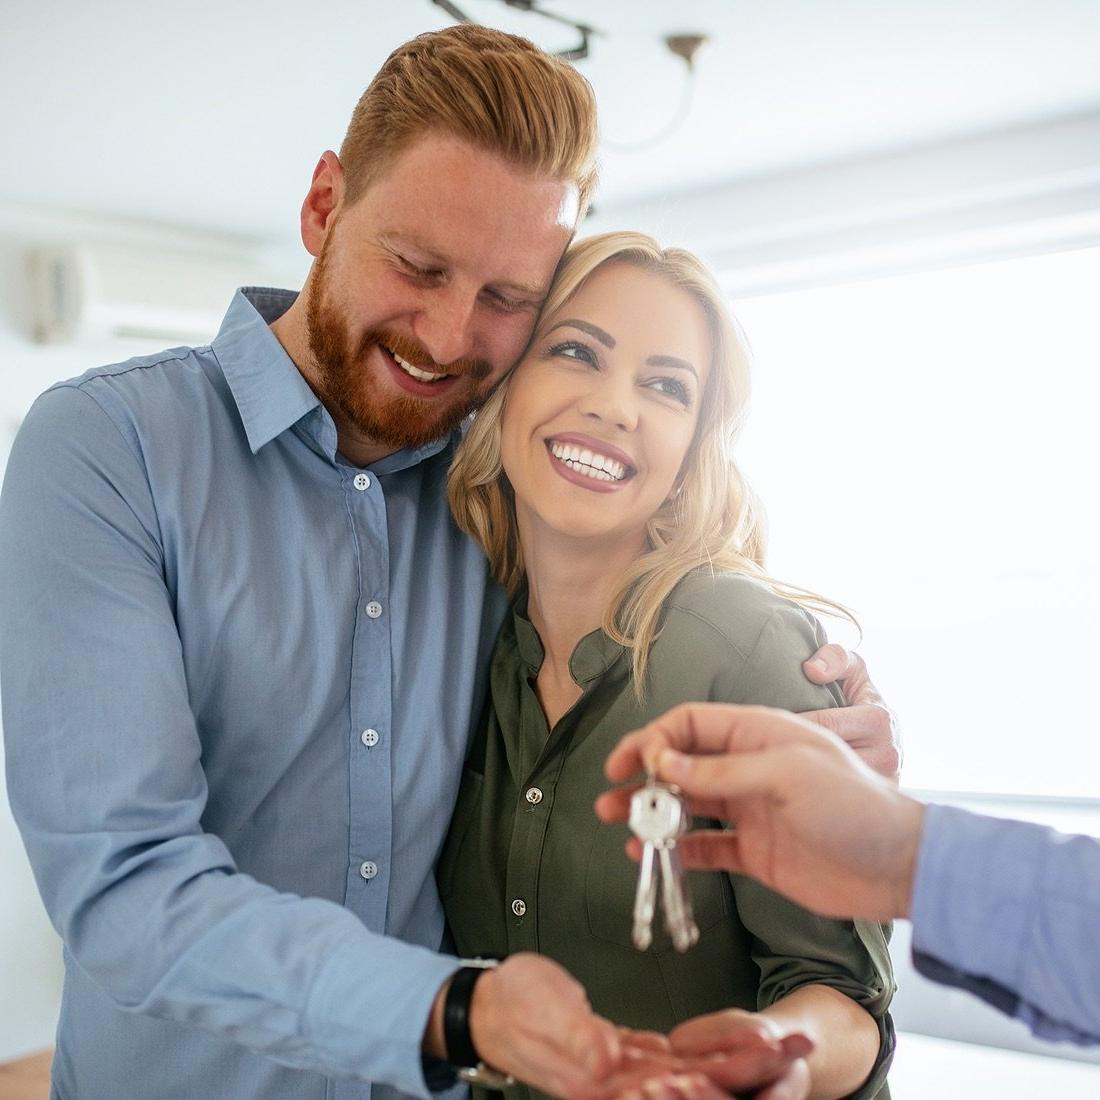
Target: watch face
[[485, 1077]]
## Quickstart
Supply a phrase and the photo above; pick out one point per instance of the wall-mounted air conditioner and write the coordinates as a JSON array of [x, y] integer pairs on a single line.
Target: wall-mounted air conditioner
[[116, 291]]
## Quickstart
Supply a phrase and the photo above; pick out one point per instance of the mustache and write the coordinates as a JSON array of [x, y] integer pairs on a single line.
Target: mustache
[[412, 351]]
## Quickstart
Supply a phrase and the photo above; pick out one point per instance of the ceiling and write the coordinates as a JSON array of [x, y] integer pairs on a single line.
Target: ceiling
[[211, 113]]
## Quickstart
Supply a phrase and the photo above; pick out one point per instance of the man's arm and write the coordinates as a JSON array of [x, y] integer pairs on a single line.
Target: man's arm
[[106, 780], [1010, 911], [867, 724], [1006, 909]]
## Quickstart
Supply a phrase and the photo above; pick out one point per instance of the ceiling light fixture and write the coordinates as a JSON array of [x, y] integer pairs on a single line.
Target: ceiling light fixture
[[575, 53], [684, 46]]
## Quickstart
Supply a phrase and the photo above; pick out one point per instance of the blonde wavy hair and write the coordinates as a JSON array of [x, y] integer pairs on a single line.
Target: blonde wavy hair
[[712, 520]]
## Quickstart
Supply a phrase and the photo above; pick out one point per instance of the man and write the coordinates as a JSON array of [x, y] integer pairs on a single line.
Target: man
[[1005, 909], [242, 643]]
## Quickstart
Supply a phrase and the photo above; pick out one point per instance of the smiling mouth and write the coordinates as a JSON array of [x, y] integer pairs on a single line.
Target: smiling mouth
[[413, 371], [589, 463]]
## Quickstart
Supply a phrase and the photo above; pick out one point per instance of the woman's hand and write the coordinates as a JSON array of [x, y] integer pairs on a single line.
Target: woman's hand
[[732, 1053]]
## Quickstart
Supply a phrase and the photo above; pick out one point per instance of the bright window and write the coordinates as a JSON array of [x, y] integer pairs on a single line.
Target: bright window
[[928, 449]]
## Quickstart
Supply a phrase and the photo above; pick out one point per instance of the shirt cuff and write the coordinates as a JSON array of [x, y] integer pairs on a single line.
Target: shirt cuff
[[368, 1010], [974, 893]]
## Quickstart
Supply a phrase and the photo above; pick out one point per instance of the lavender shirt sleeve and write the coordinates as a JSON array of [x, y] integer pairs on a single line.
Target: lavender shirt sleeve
[[1011, 912]]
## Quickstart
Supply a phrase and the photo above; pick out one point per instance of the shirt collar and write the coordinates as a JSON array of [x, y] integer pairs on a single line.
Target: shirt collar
[[270, 392], [593, 655]]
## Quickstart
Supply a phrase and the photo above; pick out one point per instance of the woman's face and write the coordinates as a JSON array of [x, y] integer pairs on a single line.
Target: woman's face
[[601, 411]]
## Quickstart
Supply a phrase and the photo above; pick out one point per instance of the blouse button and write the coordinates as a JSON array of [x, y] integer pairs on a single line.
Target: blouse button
[[534, 795], [519, 907]]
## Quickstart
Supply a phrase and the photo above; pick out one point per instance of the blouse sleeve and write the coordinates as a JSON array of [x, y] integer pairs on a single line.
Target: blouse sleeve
[[791, 946]]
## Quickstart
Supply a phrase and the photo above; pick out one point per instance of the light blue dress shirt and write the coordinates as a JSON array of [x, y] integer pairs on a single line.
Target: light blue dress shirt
[[1011, 911], [238, 678]]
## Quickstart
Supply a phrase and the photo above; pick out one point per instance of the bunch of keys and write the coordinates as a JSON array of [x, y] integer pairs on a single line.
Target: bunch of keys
[[658, 819]]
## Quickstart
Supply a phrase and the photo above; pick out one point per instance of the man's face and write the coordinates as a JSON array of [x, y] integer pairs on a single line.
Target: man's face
[[426, 290]]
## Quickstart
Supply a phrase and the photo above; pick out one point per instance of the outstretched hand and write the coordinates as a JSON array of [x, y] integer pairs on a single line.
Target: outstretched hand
[[732, 1053], [811, 820], [530, 1018]]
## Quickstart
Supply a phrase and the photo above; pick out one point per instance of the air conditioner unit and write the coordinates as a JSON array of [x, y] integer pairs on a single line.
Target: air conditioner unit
[[119, 291]]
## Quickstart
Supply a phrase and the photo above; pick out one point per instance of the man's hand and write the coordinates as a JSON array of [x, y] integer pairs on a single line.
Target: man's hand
[[812, 821], [867, 724], [530, 1018]]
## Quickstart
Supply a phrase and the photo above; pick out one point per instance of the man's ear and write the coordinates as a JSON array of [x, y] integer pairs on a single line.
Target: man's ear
[[322, 201]]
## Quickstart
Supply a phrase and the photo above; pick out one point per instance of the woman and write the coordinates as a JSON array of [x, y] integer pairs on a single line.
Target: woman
[[599, 480]]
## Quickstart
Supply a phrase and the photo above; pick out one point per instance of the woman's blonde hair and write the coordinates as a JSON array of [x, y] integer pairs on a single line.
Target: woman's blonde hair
[[497, 91], [712, 519]]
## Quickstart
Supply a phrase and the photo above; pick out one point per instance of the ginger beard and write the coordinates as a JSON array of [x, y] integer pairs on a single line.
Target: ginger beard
[[346, 384]]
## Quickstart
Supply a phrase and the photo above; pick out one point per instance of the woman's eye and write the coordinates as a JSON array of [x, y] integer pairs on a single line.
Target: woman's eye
[[573, 350], [674, 388]]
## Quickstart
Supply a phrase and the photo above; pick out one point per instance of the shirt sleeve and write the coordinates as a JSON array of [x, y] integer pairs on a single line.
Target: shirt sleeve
[[792, 946], [1010, 911], [106, 782]]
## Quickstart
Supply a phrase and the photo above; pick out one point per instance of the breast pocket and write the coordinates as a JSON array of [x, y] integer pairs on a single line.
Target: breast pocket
[[611, 881], [466, 806]]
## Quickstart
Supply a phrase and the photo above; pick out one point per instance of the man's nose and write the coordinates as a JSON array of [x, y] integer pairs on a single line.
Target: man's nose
[[445, 325]]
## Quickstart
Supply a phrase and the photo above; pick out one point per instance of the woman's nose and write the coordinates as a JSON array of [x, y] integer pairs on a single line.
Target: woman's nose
[[613, 402]]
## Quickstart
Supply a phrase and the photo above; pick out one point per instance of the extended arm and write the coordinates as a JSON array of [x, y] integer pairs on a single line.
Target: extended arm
[[1006, 909], [105, 772]]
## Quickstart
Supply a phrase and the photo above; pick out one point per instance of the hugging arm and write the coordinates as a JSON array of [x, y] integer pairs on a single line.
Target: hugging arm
[[865, 723]]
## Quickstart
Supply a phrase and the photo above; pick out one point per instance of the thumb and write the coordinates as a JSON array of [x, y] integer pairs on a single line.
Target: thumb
[[724, 776]]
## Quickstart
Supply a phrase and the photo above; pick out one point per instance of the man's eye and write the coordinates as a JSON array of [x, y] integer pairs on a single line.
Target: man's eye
[[417, 271], [509, 305]]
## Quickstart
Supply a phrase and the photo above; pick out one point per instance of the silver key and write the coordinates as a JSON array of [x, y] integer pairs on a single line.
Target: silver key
[[658, 819]]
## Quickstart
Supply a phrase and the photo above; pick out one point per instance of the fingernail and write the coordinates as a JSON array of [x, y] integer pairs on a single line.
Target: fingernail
[[673, 764], [818, 665]]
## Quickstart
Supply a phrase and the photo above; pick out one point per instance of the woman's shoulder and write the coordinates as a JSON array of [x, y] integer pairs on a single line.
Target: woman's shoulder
[[729, 637], [734, 606]]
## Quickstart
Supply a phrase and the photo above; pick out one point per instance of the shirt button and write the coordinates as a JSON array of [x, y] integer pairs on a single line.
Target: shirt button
[[519, 907], [368, 869], [369, 738], [361, 482], [374, 609], [534, 795]]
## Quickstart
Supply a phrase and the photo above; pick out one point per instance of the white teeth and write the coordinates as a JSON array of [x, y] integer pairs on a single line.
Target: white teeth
[[416, 372], [596, 466]]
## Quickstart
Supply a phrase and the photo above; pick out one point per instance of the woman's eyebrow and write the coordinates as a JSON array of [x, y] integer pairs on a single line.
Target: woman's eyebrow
[[595, 331], [672, 361]]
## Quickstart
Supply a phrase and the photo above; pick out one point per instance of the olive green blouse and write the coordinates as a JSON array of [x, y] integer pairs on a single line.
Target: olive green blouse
[[528, 867]]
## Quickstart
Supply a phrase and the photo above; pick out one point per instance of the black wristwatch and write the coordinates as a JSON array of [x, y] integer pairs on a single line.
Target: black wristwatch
[[461, 1052]]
